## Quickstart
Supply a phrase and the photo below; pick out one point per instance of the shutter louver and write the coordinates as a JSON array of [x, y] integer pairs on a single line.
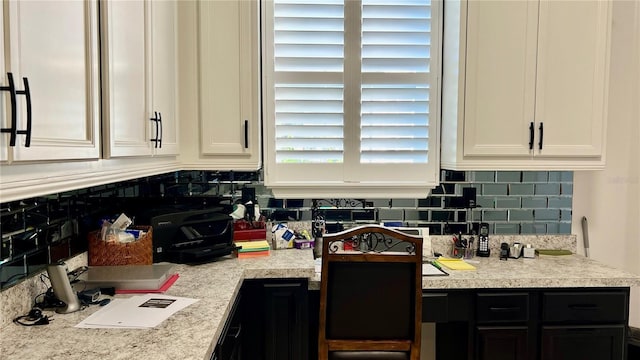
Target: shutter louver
[[395, 111], [308, 66]]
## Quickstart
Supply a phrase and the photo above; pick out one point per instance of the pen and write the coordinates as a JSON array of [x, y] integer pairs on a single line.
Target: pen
[[436, 264]]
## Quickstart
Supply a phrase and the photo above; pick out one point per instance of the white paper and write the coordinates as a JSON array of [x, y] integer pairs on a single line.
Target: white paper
[[143, 311]]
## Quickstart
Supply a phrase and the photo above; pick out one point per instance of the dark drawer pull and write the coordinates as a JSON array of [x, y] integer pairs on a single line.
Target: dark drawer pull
[[236, 334], [504, 309], [246, 134], [13, 130]]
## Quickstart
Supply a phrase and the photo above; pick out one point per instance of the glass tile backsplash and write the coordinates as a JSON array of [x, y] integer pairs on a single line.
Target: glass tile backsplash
[[42, 230]]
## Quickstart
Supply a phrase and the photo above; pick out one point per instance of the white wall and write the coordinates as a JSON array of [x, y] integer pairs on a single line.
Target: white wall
[[610, 199]]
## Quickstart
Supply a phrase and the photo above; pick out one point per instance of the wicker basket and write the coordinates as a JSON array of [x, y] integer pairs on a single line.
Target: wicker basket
[[139, 252]]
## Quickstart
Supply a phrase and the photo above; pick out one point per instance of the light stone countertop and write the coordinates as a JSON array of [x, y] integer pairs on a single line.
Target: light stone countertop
[[188, 334], [565, 271], [193, 332]]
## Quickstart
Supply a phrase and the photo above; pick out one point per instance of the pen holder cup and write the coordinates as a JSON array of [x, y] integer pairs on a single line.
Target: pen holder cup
[[458, 252], [468, 253]]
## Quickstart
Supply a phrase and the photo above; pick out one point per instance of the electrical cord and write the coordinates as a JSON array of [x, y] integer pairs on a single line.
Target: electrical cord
[[33, 318]]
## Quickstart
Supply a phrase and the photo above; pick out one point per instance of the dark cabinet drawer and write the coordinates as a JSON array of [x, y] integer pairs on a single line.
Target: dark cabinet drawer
[[585, 307], [502, 307], [442, 307]]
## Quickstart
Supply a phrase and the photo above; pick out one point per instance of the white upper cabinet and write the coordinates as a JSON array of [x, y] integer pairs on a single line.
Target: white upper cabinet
[[51, 75], [222, 85], [164, 68], [525, 84], [139, 78]]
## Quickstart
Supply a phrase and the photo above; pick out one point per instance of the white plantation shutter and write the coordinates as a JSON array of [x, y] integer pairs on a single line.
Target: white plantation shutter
[[350, 95]]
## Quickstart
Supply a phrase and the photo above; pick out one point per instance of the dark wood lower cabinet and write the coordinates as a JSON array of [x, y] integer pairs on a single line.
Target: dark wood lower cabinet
[[229, 346], [502, 343], [529, 324], [275, 319], [583, 342]]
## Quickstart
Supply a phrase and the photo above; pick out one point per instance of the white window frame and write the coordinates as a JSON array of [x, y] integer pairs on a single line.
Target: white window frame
[[338, 180]]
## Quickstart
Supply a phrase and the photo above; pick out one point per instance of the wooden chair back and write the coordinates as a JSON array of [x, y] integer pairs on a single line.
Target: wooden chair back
[[370, 295]]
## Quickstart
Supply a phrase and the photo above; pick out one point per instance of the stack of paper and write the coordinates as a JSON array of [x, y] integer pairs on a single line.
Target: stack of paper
[[455, 264], [253, 248], [138, 312]]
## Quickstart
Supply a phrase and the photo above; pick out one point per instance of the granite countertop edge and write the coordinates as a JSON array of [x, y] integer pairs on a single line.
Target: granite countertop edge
[[193, 332]]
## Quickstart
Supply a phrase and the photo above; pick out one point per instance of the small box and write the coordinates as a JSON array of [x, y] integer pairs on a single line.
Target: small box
[[529, 252], [303, 244]]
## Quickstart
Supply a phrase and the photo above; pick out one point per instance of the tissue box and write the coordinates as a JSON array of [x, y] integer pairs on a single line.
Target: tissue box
[[529, 252]]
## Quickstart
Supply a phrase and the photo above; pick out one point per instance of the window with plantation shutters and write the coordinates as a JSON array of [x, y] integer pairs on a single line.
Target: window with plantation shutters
[[350, 96]]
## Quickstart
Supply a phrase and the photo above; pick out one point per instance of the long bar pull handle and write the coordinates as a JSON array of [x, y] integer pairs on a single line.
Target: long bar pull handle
[[531, 131], [161, 134], [156, 120], [246, 134], [27, 93], [541, 136], [13, 129]]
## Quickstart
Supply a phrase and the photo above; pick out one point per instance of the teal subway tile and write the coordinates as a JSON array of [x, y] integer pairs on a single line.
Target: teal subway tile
[[533, 228], [403, 202], [476, 215], [485, 202], [535, 176], [564, 228], [461, 216], [566, 189], [483, 176], [410, 214], [559, 202], [494, 215], [506, 228], [546, 214], [494, 189], [565, 215], [566, 176], [508, 176], [547, 189], [391, 214], [534, 202], [521, 189], [555, 176], [552, 228], [507, 202], [381, 203], [520, 215]]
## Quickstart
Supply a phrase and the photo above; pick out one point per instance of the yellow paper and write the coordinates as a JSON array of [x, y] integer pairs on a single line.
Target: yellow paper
[[455, 264], [260, 244]]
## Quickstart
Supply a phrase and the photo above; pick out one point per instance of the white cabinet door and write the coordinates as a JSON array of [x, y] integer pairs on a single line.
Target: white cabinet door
[[572, 77], [229, 84], [126, 78], [500, 77], [140, 78], [54, 46], [4, 115], [164, 93]]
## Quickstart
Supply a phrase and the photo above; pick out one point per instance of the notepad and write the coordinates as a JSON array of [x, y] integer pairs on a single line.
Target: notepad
[[429, 269], [250, 246], [455, 264]]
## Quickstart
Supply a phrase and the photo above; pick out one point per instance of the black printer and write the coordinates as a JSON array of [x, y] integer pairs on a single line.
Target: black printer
[[192, 236]]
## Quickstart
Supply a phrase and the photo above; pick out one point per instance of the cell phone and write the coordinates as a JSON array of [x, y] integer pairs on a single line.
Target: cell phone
[[483, 241]]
